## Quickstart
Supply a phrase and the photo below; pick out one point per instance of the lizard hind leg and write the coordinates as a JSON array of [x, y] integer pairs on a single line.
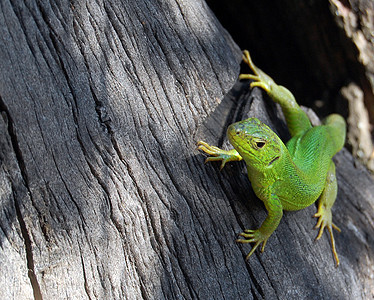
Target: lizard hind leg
[[324, 214], [337, 129]]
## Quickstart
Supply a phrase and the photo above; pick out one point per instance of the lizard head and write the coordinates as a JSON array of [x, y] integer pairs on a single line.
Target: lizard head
[[259, 146]]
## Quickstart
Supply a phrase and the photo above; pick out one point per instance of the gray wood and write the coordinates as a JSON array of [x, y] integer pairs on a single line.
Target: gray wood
[[103, 193]]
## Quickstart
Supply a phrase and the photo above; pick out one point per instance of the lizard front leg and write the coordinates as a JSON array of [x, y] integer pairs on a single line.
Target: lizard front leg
[[218, 154], [261, 235], [324, 215], [297, 120]]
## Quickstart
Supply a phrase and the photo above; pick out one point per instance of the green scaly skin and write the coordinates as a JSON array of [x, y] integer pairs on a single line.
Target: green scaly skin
[[285, 177]]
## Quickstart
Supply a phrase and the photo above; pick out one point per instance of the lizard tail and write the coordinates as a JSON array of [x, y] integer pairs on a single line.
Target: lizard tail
[[337, 128]]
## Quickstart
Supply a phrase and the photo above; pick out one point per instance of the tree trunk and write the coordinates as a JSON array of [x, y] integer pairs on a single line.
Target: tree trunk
[[103, 193]]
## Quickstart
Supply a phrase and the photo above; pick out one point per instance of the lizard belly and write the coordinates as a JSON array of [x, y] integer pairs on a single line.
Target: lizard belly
[[291, 204], [299, 196]]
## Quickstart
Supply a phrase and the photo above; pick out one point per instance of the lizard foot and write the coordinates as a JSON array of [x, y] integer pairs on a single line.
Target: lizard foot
[[325, 220], [253, 236], [260, 79], [218, 154]]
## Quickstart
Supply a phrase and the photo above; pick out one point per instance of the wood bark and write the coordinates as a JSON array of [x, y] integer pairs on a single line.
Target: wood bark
[[103, 194]]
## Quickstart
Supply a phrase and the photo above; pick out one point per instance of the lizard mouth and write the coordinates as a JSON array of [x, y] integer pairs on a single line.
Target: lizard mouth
[[273, 160]]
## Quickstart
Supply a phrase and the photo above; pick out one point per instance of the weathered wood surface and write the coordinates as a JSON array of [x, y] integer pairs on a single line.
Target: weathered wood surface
[[103, 194]]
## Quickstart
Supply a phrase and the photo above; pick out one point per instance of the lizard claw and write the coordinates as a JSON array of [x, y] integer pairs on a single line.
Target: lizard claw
[[218, 154], [260, 79], [253, 236], [325, 221]]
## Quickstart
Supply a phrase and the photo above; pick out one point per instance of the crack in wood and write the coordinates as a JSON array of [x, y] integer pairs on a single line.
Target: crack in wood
[[25, 234]]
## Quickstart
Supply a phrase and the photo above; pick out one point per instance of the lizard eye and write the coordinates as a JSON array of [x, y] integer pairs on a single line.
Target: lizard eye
[[260, 144]]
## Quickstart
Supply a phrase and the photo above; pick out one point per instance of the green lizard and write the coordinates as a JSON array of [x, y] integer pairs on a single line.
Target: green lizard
[[285, 177]]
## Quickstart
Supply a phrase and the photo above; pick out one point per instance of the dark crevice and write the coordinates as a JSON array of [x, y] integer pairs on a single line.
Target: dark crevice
[[28, 247], [256, 287], [106, 121], [86, 288], [14, 141], [135, 181], [143, 290], [24, 231]]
